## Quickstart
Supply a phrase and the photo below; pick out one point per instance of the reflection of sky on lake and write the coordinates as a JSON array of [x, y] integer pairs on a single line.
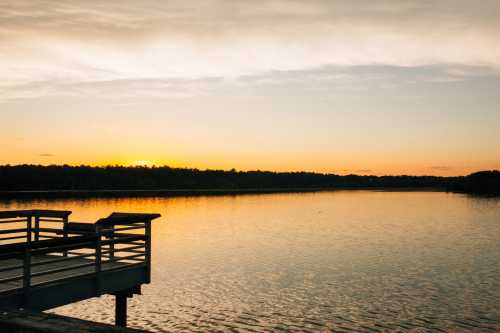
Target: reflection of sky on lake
[[345, 261]]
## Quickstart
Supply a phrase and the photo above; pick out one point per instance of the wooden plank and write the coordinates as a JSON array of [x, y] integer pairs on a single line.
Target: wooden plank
[[43, 245], [126, 218], [12, 231], [15, 213], [34, 212], [10, 220], [51, 213]]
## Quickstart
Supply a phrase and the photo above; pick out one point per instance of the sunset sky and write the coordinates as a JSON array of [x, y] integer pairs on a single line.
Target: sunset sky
[[360, 86]]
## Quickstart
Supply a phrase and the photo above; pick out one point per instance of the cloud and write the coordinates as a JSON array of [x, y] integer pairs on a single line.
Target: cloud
[[46, 155], [323, 81], [441, 168], [112, 89], [74, 42], [364, 171]]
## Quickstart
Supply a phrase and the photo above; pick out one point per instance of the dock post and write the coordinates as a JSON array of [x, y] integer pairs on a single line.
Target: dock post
[[65, 232], [28, 229], [121, 309], [147, 248], [37, 228], [98, 261]]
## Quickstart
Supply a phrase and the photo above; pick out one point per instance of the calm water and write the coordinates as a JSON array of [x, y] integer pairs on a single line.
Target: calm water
[[347, 261]]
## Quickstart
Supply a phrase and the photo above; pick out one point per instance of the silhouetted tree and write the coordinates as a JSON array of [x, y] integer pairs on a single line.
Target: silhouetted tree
[[64, 177]]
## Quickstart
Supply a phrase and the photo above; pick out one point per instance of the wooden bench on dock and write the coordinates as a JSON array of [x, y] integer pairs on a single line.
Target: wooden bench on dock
[[47, 261]]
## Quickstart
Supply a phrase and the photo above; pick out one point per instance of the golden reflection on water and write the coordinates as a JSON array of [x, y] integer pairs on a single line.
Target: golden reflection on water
[[346, 260]]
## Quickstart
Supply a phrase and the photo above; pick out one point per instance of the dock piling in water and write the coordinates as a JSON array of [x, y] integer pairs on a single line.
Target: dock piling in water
[[121, 309]]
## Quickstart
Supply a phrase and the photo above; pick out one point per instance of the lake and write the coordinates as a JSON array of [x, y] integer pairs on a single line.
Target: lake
[[343, 261]]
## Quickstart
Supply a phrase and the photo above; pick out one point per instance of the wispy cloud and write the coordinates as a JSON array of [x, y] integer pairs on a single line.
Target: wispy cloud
[[324, 81], [46, 155], [365, 171], [441, 168], [92, 41]]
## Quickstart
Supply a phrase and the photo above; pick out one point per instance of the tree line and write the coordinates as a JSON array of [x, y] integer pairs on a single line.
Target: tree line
[[65, 177]]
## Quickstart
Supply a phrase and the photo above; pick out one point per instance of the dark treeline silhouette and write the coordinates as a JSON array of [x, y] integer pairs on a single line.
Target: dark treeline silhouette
[[482, 182], [87, 178]]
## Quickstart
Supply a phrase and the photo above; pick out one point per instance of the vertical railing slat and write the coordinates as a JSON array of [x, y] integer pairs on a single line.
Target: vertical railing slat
[[28, 229], [112, 244], [98, 261], [37, 228], [147, 233], [65, 232]]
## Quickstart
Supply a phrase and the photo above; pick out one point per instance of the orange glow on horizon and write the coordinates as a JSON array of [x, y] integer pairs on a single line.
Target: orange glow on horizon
[[142, 163], [346, 169]]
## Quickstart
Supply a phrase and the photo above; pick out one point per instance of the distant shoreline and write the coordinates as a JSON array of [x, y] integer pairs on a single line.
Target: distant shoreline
[[118, 193], [36, 181]]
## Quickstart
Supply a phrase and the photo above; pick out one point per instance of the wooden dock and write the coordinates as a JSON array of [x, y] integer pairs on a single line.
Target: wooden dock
[[47, 261]]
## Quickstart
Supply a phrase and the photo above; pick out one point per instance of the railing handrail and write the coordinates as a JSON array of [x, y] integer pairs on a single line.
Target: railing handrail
[[34, 212], [126, 218], [31, 219]]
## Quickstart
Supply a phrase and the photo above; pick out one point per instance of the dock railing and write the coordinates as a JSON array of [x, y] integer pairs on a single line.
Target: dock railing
[[32, 225], [50, 255]]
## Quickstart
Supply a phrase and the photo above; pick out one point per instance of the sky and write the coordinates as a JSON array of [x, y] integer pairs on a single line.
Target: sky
[[359, 86]]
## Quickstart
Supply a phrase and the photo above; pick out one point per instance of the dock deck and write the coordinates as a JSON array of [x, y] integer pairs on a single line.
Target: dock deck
[[46, 261]]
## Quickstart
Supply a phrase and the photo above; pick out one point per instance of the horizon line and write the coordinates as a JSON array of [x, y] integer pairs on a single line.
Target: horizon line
[[165, 166]]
